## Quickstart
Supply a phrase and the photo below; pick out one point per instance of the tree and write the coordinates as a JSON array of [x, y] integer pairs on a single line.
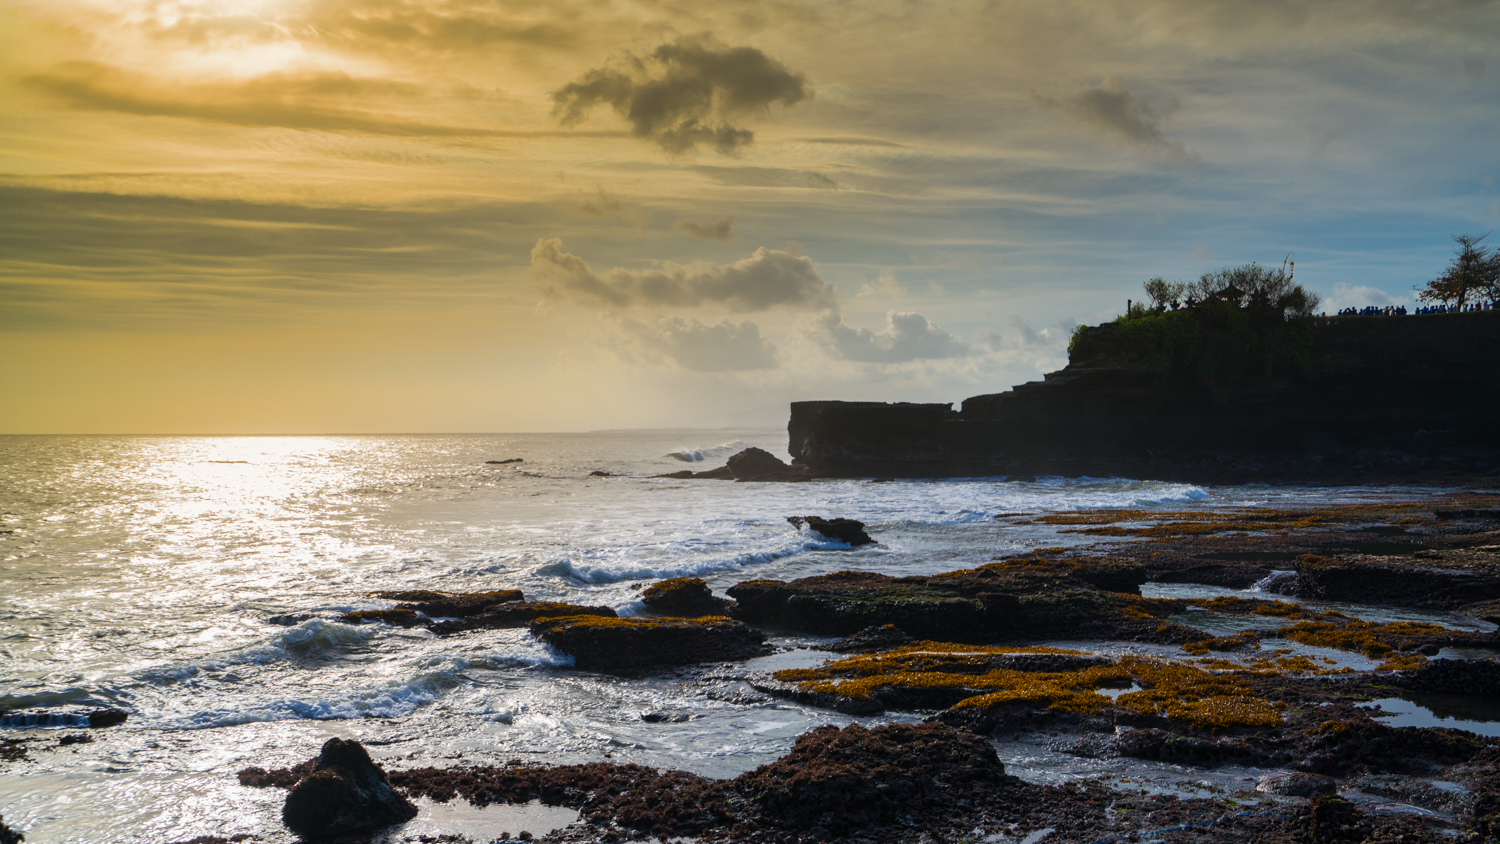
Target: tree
[[1163, 293], [1474, 272]]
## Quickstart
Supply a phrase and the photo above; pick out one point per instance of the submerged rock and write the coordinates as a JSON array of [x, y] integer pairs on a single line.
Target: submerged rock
[[346, 793], [452, 604], [615, 644], [844, 530], [684, 596]]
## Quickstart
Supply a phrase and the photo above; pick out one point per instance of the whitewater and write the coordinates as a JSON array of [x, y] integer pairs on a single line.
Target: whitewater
[[196, 583]]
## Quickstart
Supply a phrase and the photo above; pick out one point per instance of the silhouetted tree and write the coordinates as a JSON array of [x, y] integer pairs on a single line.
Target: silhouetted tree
[[1474, 272], [1163, 293]]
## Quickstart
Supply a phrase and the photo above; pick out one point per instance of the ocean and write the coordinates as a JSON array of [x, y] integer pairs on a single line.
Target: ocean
[[196, 583]]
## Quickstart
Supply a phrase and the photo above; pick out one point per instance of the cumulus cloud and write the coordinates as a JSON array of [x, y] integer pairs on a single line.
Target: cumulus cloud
[[885, 285], [721, 229], [907, 337], [766, 279], [726, 347], [689, 92], [1359, 296], [1112, 111]]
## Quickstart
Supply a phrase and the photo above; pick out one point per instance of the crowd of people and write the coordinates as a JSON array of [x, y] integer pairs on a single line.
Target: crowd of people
[[1400, 310]]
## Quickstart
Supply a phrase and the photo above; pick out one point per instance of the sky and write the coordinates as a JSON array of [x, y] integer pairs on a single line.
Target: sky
[[383, 216]]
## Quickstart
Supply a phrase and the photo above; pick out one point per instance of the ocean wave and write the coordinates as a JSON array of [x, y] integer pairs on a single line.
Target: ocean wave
[[310, 639], [697, 455]]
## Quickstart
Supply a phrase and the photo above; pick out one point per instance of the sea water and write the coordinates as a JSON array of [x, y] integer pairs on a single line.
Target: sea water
[[196, 583]]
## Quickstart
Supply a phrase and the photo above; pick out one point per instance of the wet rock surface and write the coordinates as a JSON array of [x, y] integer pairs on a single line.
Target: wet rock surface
[[685, 597], [1020, 598], [625, 644], [518, 614], [345, 793], [844, 530], [8, 835]]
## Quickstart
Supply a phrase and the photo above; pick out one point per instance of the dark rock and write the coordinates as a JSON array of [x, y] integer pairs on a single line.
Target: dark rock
[[1334, 820], [8, 835], [68, 739], [255, 777], [101, 718], [841, 529], [502, 462], [623, 644], [753, 463], [1454, 677], [684, 596], [856, 777], [346, 793], [1022, 598], [452, 604], [870, 640], [600, 473], [1432, 579], [517, 614]]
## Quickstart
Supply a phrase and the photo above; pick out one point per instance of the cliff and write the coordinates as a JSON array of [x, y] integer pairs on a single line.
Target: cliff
[[1350, 398]]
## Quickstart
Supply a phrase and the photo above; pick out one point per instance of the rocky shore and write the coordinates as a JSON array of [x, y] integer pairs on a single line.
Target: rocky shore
[[960, 651]]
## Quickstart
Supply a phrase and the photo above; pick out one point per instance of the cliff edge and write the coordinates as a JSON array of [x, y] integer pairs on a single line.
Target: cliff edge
[[1330, 399]]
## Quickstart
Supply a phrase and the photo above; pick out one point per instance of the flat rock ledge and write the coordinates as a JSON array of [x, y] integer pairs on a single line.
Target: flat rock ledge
[[624, 644]]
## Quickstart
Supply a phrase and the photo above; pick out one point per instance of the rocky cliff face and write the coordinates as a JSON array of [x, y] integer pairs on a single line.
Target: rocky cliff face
[[1404, 398]]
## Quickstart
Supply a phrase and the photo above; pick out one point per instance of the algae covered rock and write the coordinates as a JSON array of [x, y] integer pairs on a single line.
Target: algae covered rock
[[837, 779], [615, 644], [346, 793], [684, 596]]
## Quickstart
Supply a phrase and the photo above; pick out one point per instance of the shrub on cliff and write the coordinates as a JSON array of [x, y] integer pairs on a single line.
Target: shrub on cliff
[[1474, 273], [1236, 323]]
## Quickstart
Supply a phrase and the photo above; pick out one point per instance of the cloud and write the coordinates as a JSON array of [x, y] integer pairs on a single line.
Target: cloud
[[721, 229], [765, 280], [726, 347], [907, 337], [885, 285], [316, 101], [685, 93], [1113, 111], [1359, 296]]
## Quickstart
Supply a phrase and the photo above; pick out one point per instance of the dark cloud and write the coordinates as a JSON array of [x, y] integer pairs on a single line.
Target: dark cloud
[[726, 347], [315, 102], [764, 280], [907, 337], [721, 230], [1113, 111], [689, 92]]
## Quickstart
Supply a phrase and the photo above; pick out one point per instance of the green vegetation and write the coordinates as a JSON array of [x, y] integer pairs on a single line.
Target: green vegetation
[[1474, 273], [1228, 326]]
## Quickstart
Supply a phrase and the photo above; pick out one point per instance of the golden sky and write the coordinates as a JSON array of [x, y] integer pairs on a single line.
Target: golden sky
[[305, 216]]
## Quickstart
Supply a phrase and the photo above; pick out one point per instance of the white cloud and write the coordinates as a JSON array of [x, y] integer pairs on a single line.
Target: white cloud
[[1359, 296], [726, 347], [885, 285], [907, 337], [765, 280]]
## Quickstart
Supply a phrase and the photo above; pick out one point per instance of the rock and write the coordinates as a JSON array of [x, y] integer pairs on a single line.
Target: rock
[[870, 639], [101, 718], [1361, 394], [8, 835], [685, 597], [1297, 784], [502, 462], [346, 793], [600, 473], [517, 614], [856, 777], [1334, 820], [1021, 598], [844, 530], [754, 463], [452, 604], [1454, 677], [622, 644]]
